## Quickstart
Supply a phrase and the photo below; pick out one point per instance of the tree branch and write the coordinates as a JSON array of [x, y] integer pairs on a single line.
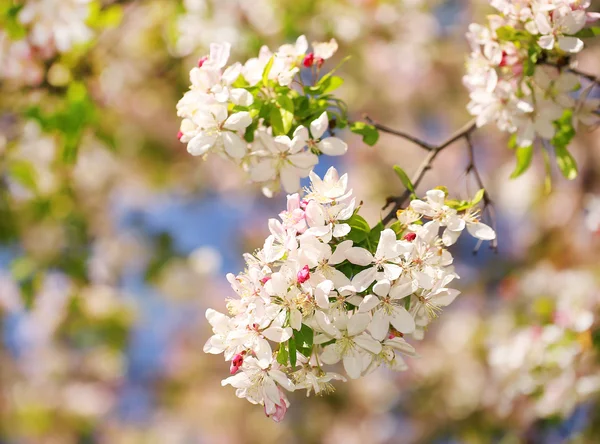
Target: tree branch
[[425, 166], [402, 134]]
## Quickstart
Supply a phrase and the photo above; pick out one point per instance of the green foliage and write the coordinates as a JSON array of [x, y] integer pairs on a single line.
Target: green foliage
[[76, 112], [103, 18], [282, 354], [463, 205], [564, 134], [592, 31], [292, 351], [359, 229], [303, 340], [513, 35], [9, 20], [524, 154], [404, 178], [368, 132]]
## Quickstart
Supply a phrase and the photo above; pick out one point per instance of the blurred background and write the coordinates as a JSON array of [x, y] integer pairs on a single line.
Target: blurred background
[[114, 240]]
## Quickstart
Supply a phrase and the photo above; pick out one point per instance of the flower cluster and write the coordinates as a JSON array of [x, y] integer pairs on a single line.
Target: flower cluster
[[262, 115], [36, 31], [550, 360], [517, 74], [327, 288]]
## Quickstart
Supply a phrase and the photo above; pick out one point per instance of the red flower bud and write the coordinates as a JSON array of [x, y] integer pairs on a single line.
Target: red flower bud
[[179, 135], [309, 60], [303, 275], [202, 61], [410, 237]]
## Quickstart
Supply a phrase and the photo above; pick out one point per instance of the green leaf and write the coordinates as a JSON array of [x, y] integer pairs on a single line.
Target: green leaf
[[304, 340], [563, 136], [404, 178], [566, 163], [374, 235], [286, 110], [276, 122], [24, 173], [511, 34], [592, 31], [292, 347], [359, 228], [267, 70], [282, 354], [398, 228], [369, 132], [330, 83], [478, 196], [524, 155]]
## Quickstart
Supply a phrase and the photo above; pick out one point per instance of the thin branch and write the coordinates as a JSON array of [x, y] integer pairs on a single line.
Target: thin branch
[[488, 204], [424, 167], [402, 134]]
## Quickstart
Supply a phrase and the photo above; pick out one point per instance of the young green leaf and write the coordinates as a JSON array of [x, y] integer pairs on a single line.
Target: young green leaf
[[292, 348], [404, 178], [282, 354], [286, 110], [267, 70], [524, 155], [566, 163], [368, 132]]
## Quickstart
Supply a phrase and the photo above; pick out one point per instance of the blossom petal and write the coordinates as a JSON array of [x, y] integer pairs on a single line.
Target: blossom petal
[[319, 126], [333, 146], [359, 256]]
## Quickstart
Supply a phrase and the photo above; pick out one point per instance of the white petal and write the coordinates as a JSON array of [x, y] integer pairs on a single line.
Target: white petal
[[379, 326], [363, 279], [546, 42], [402, 290], [402, 320], [319, 126], [330, 354], [314, 214], [201, 143], [238, 121], [235, 146], [339, 255], [290, 179], [353, 364], [340, 230], [368, 303], [358, 323], [359, 256], [277, 334], [366, 342], [570, 44], [382, 288], [332, 146], [481, 231]]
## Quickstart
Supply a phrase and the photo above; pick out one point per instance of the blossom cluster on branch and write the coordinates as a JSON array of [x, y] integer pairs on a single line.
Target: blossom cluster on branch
[[519, 78], [273, 115], [327, 288]]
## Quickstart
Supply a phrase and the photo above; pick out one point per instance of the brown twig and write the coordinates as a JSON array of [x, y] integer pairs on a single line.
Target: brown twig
[[387, 129], [424, 167], [488, 204]]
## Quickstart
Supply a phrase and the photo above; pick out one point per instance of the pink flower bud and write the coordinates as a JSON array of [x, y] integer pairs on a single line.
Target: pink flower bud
[[179, 135], [410, 237], [309, 60], [202, 61], [303, 275], [265, 280]]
